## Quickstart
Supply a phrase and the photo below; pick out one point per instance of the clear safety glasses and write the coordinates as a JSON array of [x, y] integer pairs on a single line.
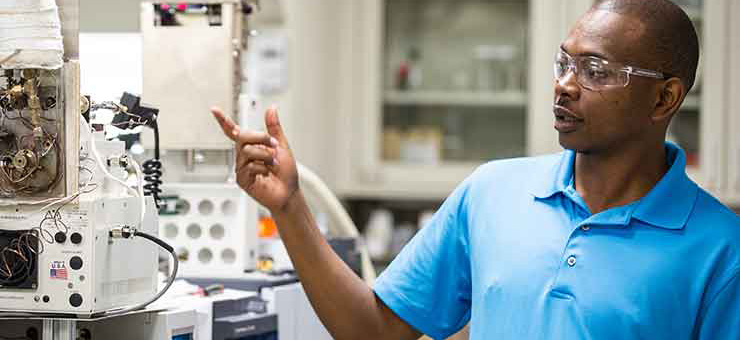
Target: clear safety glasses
[[595, 74]]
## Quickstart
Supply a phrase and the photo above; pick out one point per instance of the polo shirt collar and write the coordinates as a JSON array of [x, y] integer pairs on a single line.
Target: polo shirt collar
[[670, 202], [556, 178], [668, 205]]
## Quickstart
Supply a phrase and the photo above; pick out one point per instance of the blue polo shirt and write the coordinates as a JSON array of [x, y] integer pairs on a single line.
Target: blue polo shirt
[[516, 251]]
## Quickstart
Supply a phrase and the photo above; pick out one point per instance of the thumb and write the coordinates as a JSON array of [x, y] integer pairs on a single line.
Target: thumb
[[272, 122]]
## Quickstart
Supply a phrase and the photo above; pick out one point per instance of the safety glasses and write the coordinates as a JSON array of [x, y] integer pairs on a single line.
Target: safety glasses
[[595, 74]]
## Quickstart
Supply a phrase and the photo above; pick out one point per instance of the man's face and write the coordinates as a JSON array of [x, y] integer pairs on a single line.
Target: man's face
[[606, 118]]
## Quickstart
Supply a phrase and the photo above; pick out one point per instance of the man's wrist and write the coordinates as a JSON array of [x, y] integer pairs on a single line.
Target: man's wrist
[[295, 204]]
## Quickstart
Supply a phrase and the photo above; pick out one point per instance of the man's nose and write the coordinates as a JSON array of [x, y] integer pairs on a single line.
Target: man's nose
[[567, 85]]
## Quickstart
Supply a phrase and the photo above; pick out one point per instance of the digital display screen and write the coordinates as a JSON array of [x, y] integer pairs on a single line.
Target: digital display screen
[[188, 336]]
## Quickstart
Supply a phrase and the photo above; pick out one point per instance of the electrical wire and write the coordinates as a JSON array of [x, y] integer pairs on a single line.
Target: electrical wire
[[105, 171], [17, 257], [170, 279], [153, 170], [16, 260], [140, 186]]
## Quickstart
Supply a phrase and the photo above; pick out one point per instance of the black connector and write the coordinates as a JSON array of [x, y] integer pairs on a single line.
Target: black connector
[[146, 115], [135, 114], [121, 232]]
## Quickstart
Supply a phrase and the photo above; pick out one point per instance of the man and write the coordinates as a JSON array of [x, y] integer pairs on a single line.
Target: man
[[607, 240]]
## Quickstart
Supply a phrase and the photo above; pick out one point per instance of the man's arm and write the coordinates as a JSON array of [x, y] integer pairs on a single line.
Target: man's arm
[[266, 170], [345, 304]]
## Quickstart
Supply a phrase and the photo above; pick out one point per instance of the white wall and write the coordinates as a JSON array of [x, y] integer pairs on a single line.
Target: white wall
[[109, 15], [311, 107]]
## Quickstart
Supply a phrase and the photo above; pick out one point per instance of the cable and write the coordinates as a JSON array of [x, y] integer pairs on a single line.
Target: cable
[[102, 166], [140, 187], [128, 233], [153, 170], [156, 240], [18, 260]]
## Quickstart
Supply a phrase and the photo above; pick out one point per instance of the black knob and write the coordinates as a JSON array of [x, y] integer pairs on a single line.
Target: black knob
[[76, 238], [75, 300], [75, 262], [46, 298], [60, 237]]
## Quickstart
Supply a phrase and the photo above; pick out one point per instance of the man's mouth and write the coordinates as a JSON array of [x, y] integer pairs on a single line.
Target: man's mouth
[[565, 120]]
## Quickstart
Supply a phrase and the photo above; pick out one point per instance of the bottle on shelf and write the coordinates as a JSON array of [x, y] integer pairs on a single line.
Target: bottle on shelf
[[409, 72], [495, 68]]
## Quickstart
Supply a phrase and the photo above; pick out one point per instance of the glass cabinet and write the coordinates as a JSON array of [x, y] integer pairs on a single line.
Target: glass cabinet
[[454, 81], [439, 87]]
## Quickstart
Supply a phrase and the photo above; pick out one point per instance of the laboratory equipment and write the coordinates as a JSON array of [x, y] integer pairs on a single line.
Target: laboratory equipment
[[75, 237], [171, 324], [209, 219], [192, 61], [213, 227]]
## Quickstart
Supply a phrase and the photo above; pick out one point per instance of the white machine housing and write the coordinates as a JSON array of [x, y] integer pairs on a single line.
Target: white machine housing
[[189, 69], [113, 273], [172, 324], [144, 325], [216, 235]]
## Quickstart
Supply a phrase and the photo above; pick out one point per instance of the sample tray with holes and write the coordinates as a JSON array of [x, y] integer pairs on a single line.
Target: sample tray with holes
[[211, 226]]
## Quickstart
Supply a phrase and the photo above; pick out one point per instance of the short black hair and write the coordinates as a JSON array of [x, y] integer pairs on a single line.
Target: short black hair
[[670, 35]]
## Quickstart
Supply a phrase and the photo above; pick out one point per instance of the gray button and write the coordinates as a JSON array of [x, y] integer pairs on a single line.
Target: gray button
[[585, 228], [572, 261]]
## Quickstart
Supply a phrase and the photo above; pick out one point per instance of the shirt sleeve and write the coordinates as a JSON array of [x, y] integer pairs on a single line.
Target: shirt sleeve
[[428, 284], [721, 319]]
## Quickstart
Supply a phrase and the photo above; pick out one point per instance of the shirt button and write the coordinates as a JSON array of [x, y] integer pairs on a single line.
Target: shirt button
[[585, 228], [572, 261]]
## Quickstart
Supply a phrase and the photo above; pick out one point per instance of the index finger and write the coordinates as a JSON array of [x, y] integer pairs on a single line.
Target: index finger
[[230, 129]]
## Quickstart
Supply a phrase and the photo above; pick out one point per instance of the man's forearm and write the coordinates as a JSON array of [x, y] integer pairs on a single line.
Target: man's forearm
[[343, 302]]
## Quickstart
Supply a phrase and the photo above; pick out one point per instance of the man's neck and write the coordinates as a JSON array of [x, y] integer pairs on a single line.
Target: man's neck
[[611, 179]]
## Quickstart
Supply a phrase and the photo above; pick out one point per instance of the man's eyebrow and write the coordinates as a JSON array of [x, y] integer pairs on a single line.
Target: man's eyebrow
[[585, 54]]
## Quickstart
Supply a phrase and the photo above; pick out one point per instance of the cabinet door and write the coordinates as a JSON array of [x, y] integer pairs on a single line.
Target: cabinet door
[[448, 91], [454, 81]]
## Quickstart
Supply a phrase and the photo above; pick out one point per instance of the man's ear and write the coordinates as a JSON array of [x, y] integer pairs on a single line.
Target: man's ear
[[669, 99]]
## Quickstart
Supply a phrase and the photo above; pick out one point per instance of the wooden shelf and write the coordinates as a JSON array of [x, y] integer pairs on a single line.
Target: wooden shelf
[[442, 98]]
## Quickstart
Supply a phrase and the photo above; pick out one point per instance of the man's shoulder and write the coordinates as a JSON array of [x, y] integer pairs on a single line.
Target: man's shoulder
[[512, 177], [710, 213], [514, 168], [717, 227]]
